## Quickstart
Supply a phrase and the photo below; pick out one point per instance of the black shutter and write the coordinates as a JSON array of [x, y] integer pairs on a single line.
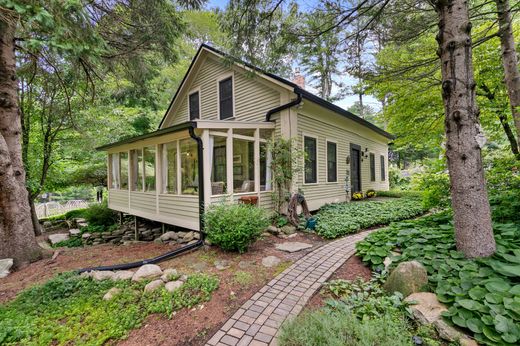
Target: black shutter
[[372, 167], [332, 172], [226, 98], [194, 106], [311, 171], [383, 173]]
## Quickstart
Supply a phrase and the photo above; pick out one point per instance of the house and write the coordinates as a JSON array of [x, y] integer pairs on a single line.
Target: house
[[212, 145]]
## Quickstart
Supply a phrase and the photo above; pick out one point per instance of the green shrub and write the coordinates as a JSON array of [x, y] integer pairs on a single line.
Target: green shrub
[[483, 295], [339, 219], [72, 242], [100, 215], [400, 193], [234, 227], [396, 179], [69, 309], [75, 214], [435, 187]]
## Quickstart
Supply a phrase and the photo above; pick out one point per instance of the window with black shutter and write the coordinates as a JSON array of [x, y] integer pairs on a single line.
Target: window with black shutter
[[332, 172], [226, 98], [372, 167], [194, 106], [383, 173], [311, 169]]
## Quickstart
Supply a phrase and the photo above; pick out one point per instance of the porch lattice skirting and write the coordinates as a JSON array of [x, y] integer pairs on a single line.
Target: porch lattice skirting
[[257, 322]]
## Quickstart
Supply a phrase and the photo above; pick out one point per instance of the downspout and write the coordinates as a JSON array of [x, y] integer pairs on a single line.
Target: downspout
[[293, 103], [183, 249]]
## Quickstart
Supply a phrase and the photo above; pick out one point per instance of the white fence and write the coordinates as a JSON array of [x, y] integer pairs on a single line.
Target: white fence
[[44, 210]]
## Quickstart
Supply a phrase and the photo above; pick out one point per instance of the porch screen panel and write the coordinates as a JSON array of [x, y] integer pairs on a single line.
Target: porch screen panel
[[114, 168], [123, 170], [311, 169], [189, 167], [136, 162], [218, 165], [149, 168], [243, 166], [170, 167]]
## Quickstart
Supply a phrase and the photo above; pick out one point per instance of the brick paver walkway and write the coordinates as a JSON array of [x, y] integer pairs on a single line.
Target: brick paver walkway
[[258, 320]]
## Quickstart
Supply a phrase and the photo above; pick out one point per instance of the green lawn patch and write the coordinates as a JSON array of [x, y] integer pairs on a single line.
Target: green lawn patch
[[483, 295], [70, 309], [339, 219]]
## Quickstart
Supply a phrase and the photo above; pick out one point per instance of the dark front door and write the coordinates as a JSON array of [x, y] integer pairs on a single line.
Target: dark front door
[[355, 168]]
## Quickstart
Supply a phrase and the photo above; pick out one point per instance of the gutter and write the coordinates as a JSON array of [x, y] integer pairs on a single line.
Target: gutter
[[183, 249], [293, 103]]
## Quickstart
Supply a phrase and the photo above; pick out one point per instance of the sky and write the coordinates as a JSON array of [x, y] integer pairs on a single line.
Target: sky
[[346, 79]]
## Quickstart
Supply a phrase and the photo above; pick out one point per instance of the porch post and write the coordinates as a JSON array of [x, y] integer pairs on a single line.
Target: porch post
[[207, 166], [158, 175], [257, 162], [229, 162]]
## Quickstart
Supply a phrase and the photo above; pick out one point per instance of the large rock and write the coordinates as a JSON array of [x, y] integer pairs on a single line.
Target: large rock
[[5, 265], [270, 261], [169, 236], [152, 286], [74, 232], [114, 291], [59, 237], [273, 230], [288, 229], [147, 271], [123, 275], [427, 308], [102, 275], [407, 278], [293, 246], [169, 274], [173, 285], [447, 332]]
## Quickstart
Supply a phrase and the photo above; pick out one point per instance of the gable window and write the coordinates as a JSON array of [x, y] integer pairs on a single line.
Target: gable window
[[194, 105], [332, 165], [225, 92], [372, 167], [311, 162], [383, 173]]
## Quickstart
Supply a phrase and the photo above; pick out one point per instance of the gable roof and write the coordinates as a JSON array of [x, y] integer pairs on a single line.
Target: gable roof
[[305, 94]]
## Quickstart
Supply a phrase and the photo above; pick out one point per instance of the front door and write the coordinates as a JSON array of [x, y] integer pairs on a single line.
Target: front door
[[355, 168]]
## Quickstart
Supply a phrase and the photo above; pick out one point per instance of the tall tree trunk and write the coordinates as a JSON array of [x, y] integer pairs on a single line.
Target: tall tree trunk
[[471, 210], [17, 239], [509, 61]]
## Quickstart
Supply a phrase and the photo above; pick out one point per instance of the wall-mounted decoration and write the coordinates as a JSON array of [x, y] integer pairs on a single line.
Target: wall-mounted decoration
[[348, 160], [237, 158]]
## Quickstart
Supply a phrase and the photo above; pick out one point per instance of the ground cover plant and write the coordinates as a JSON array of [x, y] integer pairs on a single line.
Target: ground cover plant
[[339, 219], [361, 313], [234, 227], [69, 309], [483, 295]]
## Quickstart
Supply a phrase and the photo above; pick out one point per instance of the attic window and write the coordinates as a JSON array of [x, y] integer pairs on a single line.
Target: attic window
[[194, 106], [225, 92]]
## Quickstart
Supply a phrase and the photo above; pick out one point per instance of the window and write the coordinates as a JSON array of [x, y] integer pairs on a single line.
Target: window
[[194, 106], [149, 169], [311, 169], [189, 167], [123, 170], [383, 173], [372, 167], [243, 166], [219, 165], [225, 92], [170, 167], [332, 165]]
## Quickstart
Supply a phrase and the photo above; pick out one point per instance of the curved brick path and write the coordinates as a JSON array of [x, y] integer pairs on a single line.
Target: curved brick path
[[258, 320]]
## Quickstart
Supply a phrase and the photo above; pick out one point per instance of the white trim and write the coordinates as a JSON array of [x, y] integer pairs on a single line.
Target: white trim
[[219, 79], [317, 158], [179, 173], [191, 92], [327, 141], [233, 124], [229, 163]]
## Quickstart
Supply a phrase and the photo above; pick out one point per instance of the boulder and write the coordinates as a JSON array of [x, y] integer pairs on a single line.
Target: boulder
[[288, 229], [5, 265], [59, 237], [102, 275], [426, 309], [74, 232], [86, 235], [152, 286], [464, 341], [447, 332], [292, 246], [169, 274], [173, 285], [407, 278], [270, 261], [147, 271], [123, 275], [47, 224], [222, 264], [189, 236], [273, 230], [114, 291]]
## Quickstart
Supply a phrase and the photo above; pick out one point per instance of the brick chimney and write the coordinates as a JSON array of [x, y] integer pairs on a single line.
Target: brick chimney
[[298, 79]]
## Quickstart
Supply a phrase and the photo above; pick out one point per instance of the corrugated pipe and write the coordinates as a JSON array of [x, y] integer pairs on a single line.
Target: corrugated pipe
[[183, 249]]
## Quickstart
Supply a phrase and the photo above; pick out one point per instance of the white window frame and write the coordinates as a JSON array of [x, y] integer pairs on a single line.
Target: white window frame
[[327, 141], [219, 79], [191, 92], [317, 158]]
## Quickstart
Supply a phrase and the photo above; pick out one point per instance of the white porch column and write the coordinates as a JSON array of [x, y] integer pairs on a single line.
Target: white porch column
[[158, 175], [257, 162], [229, 162], [179, 171], [207, 166]]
